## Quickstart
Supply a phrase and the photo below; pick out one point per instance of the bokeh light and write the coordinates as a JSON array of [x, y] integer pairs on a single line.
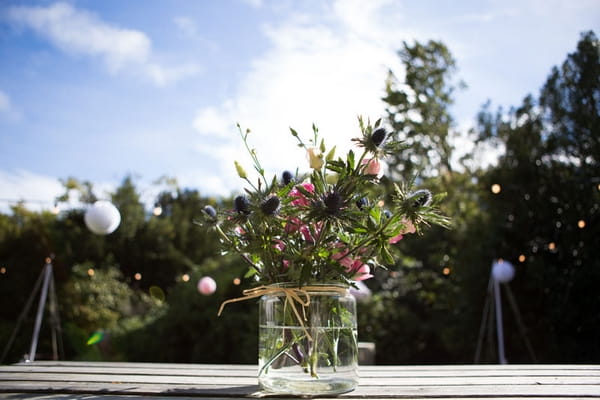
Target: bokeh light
[[237, 281], [496, 188], [185, 277], [157, 210], [446, 271], [137, 276], [2, 270], [522, 258], [581, 224], [91, 272], [551, 246]]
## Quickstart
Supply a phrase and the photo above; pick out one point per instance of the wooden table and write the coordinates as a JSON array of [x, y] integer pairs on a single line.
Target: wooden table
[[95, 380]]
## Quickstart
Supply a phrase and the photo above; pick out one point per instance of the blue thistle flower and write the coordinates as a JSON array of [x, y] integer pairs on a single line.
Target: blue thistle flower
[[270, 206], [378, 136], [241, 204], [362, 203], [420, 198], [286, 177], [210, 211], [333, 202]]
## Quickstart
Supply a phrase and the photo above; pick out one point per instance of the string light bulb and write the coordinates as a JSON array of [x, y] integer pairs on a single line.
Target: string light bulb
[[581, 224]]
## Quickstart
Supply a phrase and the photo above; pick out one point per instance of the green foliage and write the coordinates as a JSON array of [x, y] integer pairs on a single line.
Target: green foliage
[[190, 330], [425, 308]]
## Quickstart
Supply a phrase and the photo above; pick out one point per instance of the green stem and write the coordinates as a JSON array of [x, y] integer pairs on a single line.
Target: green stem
[[244, 256]]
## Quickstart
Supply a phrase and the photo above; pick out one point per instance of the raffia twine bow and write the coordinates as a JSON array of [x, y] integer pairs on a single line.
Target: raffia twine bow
[[293, 295]]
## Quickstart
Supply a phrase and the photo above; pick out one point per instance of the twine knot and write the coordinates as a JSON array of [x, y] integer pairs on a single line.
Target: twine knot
[[293, 295]]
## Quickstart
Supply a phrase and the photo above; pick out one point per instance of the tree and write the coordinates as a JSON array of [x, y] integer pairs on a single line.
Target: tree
[[570, 100], [545, 209], [418, 109]]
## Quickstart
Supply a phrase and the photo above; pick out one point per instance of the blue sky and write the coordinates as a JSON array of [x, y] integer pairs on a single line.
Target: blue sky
[[99, 90]]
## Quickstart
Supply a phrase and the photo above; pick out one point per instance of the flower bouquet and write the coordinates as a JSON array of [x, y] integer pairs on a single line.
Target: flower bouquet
[[308, 237]]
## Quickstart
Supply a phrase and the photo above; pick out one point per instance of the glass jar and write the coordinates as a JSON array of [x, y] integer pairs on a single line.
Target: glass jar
[[308, 340]]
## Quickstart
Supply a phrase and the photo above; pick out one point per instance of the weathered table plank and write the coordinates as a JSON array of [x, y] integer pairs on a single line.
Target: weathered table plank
[[123, 380]]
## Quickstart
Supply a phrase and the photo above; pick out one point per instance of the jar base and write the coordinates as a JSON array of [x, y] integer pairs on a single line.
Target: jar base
[[308, 387]]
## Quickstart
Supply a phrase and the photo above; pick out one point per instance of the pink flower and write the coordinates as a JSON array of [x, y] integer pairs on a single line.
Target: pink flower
[[306, 234], [342, 256], [361, 271], [300, 199], [372, 167], [409, 227], [279, 245], [396, 239]]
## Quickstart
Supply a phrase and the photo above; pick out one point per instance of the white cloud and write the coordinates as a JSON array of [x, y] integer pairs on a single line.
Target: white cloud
[[39, 192], [326, 74], [79, 32], [36, 191]]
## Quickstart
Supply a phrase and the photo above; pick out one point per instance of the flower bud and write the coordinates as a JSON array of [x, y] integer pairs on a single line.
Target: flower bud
[[241, 204], [210, 211], [315, 158], [378, 136], [286, 177], [240, 170], [362, 203], [270, 205]]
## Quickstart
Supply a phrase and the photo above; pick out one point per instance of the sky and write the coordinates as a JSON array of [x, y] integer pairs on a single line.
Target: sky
[[102, 90]]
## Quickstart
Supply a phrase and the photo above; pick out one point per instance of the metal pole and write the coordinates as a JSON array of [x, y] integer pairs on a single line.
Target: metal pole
[[484, 319], [40, 312], [28, 305], [499, 328]]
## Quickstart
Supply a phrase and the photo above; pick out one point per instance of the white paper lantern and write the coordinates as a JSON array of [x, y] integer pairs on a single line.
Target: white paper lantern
[[207, 285], [102, 217], [503, 271]]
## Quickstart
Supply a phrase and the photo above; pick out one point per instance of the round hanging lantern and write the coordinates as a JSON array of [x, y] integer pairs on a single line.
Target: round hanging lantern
[[102, 217], [503, 271], [207, 285]]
